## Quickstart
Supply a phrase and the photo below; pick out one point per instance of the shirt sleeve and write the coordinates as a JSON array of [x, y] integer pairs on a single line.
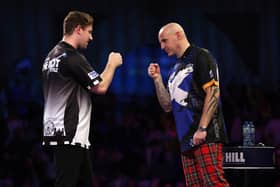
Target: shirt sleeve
[[206, 70], [82, 72]]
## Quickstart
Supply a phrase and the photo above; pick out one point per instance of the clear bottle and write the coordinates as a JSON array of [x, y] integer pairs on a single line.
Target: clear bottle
[[246, 133], [252, 133]]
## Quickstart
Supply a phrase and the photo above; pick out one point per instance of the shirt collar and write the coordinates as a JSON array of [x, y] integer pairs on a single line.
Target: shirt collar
[[186, 53]]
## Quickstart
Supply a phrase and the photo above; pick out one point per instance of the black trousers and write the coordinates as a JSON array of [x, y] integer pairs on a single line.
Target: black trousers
[[73, 166]]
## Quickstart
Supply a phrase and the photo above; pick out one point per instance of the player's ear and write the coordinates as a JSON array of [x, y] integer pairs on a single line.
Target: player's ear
[[78, 29], [179, 35]]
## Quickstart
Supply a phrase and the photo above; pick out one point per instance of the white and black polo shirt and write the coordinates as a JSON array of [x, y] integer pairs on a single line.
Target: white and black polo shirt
[[67, 79]]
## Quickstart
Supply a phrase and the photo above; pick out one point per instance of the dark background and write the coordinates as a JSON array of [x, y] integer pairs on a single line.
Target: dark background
[[244, 36]]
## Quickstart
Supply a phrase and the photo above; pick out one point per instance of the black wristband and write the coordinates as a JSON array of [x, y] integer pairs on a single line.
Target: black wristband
[[202, 129]]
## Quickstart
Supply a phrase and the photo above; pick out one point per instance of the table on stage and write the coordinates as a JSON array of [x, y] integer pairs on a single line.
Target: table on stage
[[248, 162]]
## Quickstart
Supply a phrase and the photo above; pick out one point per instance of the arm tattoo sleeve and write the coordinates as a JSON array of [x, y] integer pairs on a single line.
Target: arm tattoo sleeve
[[163, 96], [212, 102], [210, 105]]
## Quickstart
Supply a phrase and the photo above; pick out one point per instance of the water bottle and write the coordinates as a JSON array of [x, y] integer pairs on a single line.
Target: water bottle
[[252, 133], [248, 131]]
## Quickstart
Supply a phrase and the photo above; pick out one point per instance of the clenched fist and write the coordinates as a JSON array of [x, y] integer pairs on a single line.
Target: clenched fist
[[154, 71], [115, 59]]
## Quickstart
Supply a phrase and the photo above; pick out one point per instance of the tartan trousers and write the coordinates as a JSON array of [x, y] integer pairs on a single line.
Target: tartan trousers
[[203, 166]]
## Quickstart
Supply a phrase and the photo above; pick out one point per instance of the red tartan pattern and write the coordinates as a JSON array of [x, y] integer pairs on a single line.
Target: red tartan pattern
[[203, 166]]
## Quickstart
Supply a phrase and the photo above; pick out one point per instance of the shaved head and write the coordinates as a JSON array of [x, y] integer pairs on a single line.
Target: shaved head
[[172, 39], [172, 28]]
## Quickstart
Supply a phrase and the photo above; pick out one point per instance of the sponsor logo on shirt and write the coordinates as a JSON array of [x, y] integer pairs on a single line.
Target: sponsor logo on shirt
[[52, 64], [92, 75]]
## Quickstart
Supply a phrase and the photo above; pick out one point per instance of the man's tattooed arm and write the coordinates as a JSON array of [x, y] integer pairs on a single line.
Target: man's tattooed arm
[[210, 105], [163, 95]]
